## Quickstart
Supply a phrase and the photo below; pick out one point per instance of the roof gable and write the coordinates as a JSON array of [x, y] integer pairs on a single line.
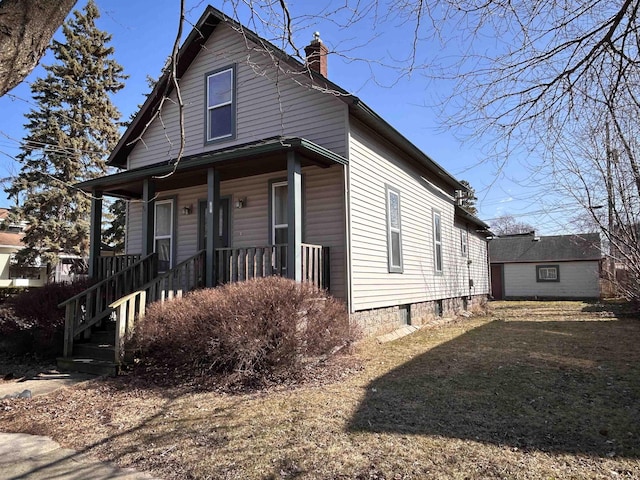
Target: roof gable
[[530, 248], [206, 25]]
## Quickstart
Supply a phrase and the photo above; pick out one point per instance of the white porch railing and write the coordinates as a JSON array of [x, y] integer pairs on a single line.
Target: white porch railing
[[239, 264]]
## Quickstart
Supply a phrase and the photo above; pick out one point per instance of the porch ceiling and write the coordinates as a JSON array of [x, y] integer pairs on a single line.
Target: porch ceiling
[[240, 161]]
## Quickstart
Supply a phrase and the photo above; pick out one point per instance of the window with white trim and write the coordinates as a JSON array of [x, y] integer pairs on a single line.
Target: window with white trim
[[279, 213], [547, 273], [464, 242], [437, 241], [163, 234], [220, 122], [394, 231]]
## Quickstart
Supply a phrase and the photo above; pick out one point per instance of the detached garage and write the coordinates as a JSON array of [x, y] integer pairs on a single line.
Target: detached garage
[[560, 266]]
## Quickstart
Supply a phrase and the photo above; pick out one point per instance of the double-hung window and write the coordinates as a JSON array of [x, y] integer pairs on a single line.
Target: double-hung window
[[221, 104], [437, 241], [464, 242], [394, 232], [279, 213], [163, 234]]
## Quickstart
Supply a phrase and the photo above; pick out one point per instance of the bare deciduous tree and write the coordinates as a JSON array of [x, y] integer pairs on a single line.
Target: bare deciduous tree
[[509, 225], [26, 28]]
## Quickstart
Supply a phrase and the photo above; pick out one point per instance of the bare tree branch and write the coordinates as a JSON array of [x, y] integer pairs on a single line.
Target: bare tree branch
[[26, 28]]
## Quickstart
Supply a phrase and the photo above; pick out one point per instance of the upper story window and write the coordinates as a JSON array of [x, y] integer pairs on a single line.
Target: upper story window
[[221, 104], [394, 233]]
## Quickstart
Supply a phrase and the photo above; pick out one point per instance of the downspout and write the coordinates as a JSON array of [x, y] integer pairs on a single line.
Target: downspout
[[347, 203], [490, 288], [347, 216], [468, 261]]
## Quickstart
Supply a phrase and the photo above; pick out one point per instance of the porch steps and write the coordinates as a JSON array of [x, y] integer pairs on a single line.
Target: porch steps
[[95, 356], [88, 365]]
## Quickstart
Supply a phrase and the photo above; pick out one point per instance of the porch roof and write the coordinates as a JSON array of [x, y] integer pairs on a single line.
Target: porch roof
[[265, 156]]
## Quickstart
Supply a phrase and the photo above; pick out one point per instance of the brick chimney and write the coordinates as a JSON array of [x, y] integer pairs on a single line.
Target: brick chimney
[[317, 55]]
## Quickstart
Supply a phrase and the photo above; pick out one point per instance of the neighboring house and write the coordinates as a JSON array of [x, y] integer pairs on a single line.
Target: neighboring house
[[12, 276], [530, 266], [285, 172]]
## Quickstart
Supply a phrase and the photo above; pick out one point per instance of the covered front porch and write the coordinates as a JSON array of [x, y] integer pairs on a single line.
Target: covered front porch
[[201, 204], [274, 207]]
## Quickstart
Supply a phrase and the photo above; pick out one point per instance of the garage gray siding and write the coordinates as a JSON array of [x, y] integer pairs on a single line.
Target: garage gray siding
[[577, 280]]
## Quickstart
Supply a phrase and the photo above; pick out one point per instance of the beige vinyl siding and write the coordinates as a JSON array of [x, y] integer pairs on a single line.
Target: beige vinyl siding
[[577, 279], [133, 234], [372, 166], [269, 103], [479, 268], [323, 219]]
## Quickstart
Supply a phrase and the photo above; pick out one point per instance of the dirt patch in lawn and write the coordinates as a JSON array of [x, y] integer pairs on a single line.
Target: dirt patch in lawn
[[535, 391]]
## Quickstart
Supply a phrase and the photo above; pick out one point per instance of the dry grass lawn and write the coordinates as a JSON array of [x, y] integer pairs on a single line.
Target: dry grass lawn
[[533, 391]]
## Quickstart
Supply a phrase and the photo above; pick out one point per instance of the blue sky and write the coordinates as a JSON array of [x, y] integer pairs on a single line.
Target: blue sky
[[143, 37]]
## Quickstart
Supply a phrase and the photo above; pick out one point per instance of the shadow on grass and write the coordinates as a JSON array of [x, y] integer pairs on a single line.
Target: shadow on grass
[[567, 386], [615, 307]]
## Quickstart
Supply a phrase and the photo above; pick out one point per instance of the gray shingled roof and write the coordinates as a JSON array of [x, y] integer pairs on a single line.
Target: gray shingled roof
[[525, 248]]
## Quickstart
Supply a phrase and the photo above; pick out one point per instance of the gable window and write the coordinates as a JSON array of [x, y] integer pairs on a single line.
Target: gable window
[[163, 234], [221, 104], [464, 242], [547, 273], [437, 241], [394, 233]]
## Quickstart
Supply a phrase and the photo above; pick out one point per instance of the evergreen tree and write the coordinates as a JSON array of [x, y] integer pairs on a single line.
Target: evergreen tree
[[116, 219], [69, 133], [469, 201]]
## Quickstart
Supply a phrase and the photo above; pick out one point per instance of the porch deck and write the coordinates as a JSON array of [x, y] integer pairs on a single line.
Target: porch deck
[[132, 282]]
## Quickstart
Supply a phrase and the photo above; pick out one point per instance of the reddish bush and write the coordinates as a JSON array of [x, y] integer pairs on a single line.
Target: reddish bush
[[247, 333], [35, 312]]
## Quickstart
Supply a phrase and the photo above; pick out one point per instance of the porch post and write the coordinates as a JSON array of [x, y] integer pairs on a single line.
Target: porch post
[[212, 221], [148, 204], [95, 232], [294, 213]]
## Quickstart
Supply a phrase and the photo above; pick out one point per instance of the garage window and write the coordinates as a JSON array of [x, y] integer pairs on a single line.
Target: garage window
[[547, 273]]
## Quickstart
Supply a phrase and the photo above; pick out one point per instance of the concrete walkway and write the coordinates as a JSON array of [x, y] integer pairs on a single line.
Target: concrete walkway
[[33, 457], [43, 383]]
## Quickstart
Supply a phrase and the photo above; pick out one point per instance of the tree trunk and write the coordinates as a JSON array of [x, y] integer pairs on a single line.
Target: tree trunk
[[26, 28]]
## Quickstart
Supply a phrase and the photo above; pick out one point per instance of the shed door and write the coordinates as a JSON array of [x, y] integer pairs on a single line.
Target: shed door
[[497, 289]]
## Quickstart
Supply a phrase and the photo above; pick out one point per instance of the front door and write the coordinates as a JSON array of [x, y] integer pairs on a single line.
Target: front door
[[223, 227]]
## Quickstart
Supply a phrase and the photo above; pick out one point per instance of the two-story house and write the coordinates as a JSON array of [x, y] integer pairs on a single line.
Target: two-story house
[[284, 172]]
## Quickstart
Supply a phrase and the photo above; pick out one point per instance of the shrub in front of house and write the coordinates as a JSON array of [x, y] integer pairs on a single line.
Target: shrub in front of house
[[250, 333], [34, 319]]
